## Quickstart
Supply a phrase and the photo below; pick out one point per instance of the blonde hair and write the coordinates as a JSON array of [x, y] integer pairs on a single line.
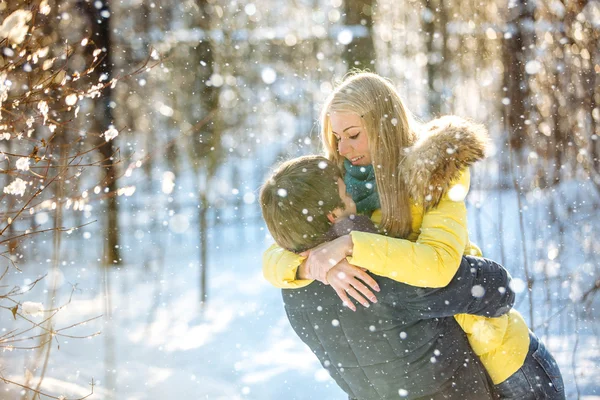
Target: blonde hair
[[390, 129], [296, 199]]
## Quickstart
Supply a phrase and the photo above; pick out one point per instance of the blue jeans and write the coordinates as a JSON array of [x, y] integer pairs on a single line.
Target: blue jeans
[[539, 377]]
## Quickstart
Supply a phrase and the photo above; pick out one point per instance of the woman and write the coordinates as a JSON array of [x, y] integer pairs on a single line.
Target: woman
[[412, 180]]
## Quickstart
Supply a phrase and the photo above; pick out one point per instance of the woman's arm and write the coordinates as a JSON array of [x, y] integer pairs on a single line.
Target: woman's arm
[[431, 261], [287, 270], [434, 258], [280, 268]]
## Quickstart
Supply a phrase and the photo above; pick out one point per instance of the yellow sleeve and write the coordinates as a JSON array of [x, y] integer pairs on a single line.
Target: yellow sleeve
[[484, 334], [280, 267], [431, 261], [473, 250]]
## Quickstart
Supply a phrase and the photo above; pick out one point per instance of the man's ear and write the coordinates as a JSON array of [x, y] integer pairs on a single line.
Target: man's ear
[[331, 217]]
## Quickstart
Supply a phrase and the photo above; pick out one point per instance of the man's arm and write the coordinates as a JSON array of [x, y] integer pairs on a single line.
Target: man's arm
[[480, 287]]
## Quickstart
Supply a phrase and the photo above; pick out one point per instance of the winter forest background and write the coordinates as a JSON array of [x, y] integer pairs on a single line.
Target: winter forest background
[[134, 136]]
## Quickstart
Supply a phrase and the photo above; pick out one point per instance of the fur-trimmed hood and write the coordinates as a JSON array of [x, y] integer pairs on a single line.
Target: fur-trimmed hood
[[444, 147]]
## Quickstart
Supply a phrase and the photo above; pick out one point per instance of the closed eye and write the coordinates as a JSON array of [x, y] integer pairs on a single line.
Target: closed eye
[[338, 138]]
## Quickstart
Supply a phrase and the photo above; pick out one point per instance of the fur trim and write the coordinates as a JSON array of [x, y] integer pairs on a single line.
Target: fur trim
[[445, 146]]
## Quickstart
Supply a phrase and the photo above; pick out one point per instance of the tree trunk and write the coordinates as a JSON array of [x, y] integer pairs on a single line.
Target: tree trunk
[[103, 118], [203, 226], [205, 146], [444, 66], [360, 53], [557, 139], [515, 55], [428, 21], [592, 109]]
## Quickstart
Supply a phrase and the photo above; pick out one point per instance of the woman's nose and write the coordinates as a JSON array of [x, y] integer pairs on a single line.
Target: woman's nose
[[343, 147]]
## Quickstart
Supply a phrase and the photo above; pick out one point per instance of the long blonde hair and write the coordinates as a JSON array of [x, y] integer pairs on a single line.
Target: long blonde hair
[[390, 128]]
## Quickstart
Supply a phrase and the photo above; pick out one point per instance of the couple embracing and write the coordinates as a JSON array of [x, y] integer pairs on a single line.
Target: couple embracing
[[381, 220]]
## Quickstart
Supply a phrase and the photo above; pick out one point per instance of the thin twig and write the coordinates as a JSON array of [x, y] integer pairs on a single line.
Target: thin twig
[[585, 296], [39, 392], [59, 229]]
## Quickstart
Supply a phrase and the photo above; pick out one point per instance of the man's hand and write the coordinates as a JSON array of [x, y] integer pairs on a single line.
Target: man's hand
[[323, 257], [344, 279]]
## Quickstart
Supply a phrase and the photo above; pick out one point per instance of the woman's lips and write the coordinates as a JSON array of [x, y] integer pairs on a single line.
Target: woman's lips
[[354, 160]]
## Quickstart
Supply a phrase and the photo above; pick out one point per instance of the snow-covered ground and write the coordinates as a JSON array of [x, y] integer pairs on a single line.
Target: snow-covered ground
[[157, 342]]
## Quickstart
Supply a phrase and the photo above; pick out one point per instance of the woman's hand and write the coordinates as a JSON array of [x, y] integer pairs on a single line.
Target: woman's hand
[[325, 256], [344, 279]]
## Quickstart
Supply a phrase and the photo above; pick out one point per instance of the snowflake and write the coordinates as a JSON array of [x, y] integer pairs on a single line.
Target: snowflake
[[71, 99], [478, 291]]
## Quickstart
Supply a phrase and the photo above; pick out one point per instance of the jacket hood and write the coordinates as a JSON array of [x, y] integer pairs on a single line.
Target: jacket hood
[[444, 147]]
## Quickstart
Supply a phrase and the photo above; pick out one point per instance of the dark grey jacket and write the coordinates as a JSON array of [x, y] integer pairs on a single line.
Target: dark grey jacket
[[407, 345]]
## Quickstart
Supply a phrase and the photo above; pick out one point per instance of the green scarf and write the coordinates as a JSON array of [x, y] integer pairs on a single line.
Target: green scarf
[[360, 185]]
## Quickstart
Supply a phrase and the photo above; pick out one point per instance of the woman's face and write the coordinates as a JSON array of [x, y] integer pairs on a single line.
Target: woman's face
[[353, 143]]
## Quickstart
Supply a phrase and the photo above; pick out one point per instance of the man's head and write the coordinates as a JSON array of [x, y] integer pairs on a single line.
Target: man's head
[[301, 200]]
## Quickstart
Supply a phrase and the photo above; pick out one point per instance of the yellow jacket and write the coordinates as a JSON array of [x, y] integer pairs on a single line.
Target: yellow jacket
[[429, 258]]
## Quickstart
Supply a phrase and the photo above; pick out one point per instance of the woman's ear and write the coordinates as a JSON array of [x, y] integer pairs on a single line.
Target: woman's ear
[[331, 217]]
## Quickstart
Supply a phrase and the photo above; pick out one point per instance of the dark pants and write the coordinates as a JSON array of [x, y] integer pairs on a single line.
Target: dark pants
[[539, 377]]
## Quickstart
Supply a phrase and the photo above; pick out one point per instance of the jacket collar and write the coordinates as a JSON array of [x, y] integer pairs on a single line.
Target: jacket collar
[[445, 146]]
